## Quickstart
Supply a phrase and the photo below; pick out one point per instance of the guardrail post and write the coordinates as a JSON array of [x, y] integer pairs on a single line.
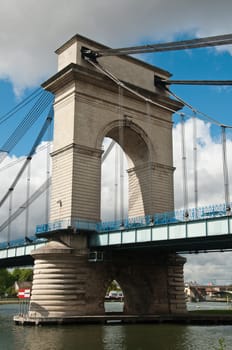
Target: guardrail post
[[206, 228]]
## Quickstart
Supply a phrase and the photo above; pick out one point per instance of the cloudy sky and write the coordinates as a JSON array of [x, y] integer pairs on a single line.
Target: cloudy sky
[[30, 31]]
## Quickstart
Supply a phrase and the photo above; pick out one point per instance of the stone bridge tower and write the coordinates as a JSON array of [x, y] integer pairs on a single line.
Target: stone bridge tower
[[88, 107]]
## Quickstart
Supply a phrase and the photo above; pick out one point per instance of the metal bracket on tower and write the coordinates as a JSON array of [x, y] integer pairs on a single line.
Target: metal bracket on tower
[[95, 256], [89, 54], [159, 82]]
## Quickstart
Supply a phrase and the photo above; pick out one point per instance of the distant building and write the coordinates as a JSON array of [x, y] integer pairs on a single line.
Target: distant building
[[22, 285]]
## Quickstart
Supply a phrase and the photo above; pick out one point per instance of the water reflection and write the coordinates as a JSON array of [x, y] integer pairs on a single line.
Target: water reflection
[[60, 338], [109, 337], [114, 337]]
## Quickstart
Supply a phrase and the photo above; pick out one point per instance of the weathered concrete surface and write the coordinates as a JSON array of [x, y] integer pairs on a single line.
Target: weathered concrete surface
[[66, 284]]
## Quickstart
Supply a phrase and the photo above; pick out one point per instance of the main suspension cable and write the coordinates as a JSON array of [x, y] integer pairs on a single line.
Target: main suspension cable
[[125, 87], [119, 82], [182, 115], [195, 110], [218, 40]]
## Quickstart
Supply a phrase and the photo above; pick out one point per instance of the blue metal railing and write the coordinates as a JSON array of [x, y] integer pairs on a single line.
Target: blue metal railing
[[165, 218], [136, 222], [21, 242], [67, 223]]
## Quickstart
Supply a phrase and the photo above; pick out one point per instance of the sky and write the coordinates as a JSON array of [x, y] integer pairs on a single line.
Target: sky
[[30, 32]]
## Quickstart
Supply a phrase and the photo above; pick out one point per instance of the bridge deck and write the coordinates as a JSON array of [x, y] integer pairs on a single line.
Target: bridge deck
[[190, 236], [209, 233]]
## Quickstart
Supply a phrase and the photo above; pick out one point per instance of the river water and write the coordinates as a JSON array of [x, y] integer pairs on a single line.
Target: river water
[[110, 337]]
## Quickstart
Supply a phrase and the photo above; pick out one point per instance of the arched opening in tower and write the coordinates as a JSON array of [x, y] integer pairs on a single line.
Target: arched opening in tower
[[114, 182], [114, 298]]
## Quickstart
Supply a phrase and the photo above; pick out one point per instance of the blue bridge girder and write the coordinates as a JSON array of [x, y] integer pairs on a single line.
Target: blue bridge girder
[[205, 229], [210, 234]]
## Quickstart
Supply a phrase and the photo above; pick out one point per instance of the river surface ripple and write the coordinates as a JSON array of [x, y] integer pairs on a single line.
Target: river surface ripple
[[110, 337]]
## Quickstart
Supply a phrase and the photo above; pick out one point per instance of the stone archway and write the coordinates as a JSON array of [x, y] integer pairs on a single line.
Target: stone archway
[[139, 153], [86, 110]]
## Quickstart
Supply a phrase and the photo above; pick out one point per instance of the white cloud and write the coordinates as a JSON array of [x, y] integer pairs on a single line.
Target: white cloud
[[31, 30], [209, 164], [38, 175]]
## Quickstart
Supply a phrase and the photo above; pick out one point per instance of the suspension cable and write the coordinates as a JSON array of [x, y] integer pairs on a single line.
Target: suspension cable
[[22, 104], [225, 169], [124, 86], [184, 167], [19, 160], [195, 168], [212, 120], [107, 152], [116, 184], [28, 159], [150, 211], [10, 211], [119, 82], [48, 172], [39, 107], [24, 205], [218, 40], [121, 156], [27, 199]]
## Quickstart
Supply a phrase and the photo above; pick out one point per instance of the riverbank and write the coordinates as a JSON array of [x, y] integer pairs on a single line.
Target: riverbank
[[9, 301]]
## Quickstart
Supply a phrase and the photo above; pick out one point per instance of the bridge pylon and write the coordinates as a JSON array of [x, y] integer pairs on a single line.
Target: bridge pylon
[[89, 106]]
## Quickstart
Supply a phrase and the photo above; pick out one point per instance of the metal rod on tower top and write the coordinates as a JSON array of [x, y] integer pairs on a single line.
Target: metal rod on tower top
[[211, 41]]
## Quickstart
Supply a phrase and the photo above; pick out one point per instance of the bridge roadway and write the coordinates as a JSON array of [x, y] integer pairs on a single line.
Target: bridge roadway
[[212, 233], [192, 236], [17, 253]]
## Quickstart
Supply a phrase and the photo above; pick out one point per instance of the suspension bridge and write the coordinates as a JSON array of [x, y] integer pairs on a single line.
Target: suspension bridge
[[94, 96]]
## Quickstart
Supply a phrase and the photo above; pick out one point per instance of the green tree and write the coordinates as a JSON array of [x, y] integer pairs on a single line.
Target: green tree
[[221, 344], [6, 281], [22, 274]]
